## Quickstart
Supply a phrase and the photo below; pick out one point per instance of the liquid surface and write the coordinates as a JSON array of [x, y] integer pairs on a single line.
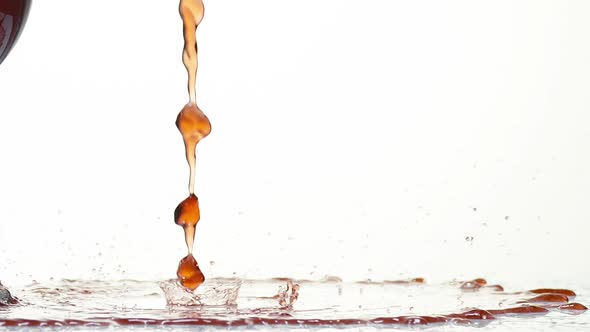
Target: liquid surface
[[281, 303]]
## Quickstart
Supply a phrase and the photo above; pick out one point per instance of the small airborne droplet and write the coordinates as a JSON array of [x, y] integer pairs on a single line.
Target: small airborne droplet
[[189, 274]]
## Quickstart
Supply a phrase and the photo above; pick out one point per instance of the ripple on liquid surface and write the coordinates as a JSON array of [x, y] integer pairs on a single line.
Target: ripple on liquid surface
[[262, 304]]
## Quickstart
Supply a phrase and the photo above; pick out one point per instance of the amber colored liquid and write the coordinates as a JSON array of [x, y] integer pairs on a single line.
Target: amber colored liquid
[[191, 12], [193, 125], [187, 213], [189, 274]]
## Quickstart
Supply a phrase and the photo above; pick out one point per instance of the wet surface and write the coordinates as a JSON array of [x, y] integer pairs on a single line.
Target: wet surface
[[280, 303]]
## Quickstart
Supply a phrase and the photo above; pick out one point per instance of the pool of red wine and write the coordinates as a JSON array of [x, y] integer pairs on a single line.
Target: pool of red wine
[[280, 303]]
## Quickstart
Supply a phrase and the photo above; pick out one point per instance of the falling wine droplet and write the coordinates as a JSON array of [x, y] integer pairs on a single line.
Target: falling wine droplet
[[189, 274]]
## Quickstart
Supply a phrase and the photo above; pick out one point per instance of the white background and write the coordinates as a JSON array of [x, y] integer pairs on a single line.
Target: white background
[[366, 139]]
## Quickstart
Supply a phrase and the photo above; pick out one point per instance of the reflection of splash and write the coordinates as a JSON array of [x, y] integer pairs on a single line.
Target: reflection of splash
[[214, 292]]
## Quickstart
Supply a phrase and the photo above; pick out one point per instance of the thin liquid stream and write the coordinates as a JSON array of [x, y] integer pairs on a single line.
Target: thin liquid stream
[[194, 125], [189, 238], [191, 12]]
